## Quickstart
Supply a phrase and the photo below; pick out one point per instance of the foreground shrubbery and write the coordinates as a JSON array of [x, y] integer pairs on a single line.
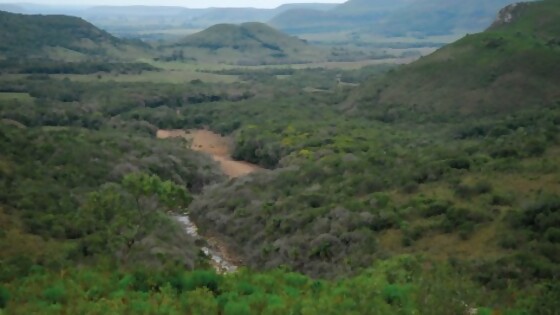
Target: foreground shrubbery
[[399, 286]]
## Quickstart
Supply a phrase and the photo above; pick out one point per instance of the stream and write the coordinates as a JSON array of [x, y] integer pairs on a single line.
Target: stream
[[220, 263], [219, 149]]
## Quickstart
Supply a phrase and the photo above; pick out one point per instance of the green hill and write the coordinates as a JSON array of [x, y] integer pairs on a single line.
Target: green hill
[[515, 63], [59, 37], [248, 43]]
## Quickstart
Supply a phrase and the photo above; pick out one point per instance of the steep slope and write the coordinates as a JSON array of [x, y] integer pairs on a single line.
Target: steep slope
[[58, 37], [436, 17], [515, 63], [247, 43]]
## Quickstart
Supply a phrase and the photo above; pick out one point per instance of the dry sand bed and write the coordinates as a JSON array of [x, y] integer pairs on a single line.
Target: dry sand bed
[[215, 145]]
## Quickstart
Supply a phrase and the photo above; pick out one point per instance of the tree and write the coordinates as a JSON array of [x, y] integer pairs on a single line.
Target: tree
[[118, 216]]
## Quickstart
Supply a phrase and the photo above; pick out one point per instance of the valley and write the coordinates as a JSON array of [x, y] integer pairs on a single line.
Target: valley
[[216, 146], [360, 158]]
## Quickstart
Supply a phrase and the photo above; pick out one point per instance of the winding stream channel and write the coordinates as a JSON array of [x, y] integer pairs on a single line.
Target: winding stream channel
[[219, 149]]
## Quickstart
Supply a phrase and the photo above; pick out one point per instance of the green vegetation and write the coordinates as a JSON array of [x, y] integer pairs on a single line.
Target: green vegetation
[[476, 75], [399, 286], [387, 190], [37, 36]]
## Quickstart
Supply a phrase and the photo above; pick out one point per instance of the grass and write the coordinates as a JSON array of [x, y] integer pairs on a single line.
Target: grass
[[166, 76], [20, 97]]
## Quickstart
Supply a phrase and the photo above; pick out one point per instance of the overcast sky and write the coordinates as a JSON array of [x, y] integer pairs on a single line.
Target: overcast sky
[[184, 3]]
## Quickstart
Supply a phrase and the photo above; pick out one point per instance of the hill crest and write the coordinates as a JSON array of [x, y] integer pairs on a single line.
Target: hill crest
[[248, 43]]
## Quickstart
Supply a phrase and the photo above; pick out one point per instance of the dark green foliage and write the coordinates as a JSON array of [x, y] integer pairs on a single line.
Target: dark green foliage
[[45, 66], [55, 294], [27, 35], [4, 297], [539, 216], [547, 301], [395, 286]]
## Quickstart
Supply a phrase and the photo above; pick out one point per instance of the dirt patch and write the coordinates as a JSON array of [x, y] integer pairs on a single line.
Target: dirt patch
[[215, 145]]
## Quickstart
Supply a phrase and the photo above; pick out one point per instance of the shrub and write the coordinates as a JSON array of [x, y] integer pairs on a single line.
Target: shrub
[[465, 230], [461, 217], [203, 279], [538, 216], [509, 241], [552, 235], [410, 188], [395, 294], [468, 191], [548, 301], [460, 163], [498, 199], [4, 297], [237, 308], [436, 208], [55, 294]]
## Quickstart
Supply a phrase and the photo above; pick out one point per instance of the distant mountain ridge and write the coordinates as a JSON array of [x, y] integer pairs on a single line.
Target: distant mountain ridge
[[175, 14], [349, 15], [395, 18], [440, 17]]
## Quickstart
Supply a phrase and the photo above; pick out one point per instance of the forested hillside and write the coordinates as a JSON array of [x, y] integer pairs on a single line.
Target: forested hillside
[[58, 37]]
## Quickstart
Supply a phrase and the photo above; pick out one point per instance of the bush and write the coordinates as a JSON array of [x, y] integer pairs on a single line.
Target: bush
[[548, 301], [55, 294], [552, 235], [498, 199], [237, 308], [460, 163], [509, 241], [436, 208], [4, 297], [468, 191], [538, 216], [410, 188], [462, 218], [203, 279]]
